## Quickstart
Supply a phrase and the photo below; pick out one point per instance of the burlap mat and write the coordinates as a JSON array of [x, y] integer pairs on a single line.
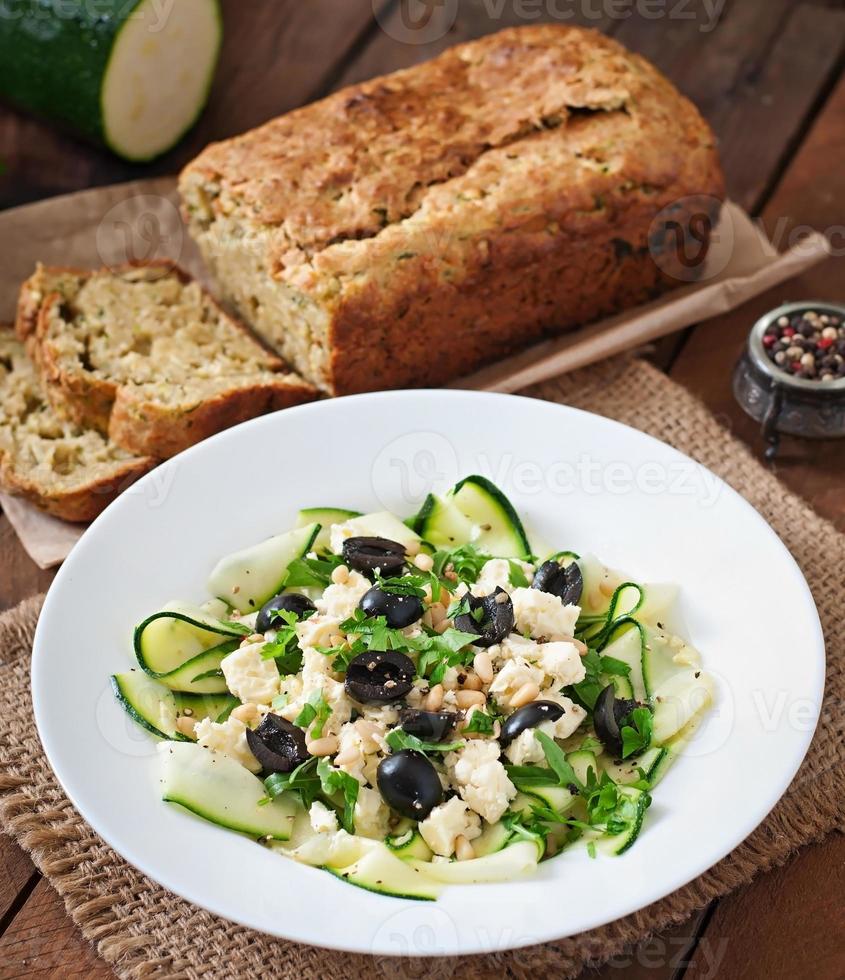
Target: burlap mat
[[146, 932]]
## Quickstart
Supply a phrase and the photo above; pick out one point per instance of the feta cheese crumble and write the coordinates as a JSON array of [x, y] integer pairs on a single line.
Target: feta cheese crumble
[[228, 737], [249, 676], [542, 615], [481, 778], [446, 823]]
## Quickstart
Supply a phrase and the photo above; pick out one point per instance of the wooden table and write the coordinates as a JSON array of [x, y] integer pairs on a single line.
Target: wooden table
[[768, 77]]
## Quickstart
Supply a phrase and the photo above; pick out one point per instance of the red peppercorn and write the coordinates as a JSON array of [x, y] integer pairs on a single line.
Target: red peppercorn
[[823, 342], [789, 331], [769, 339]]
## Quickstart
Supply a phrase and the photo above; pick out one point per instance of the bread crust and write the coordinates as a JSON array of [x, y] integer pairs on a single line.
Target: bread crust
[[126, 412], [81, 504], [448, 214]]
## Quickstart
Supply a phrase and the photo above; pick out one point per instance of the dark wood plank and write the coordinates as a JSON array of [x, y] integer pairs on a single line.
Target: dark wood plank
[[810, 195], [16, 870], [20, 577], [275, 56], [786, 923], [402, 41], [43, 942]]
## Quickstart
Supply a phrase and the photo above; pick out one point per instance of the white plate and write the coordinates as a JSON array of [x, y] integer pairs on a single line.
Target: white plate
[[583, 483]]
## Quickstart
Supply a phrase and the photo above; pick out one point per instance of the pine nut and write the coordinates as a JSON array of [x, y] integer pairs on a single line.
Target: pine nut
[[445, 598], [438, 613], [340, 575], [335, 640], [434, 698], [483, 667], [412, 548], [185, 726], [348, 757], [424, 563], [525, 695], [254, 638], [464, 851], [245, 713], [464, 699], [441, 627], [323, 746], [473, 683]]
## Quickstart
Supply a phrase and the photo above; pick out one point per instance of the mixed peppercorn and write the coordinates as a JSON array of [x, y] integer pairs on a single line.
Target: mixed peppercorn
[[808, 345]]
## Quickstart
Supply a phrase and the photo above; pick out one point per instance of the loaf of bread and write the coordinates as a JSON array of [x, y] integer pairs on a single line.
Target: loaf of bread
[[145, 356], [70, 472], [407, 230]]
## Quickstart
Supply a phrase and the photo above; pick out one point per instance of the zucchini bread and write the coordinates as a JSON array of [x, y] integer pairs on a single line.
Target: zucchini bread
[[404, 231], [143, 354], [70, 472]]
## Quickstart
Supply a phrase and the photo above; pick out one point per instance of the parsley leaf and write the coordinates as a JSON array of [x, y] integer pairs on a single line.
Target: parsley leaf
[[480, 722], [517, 576], [236, 627], [285, 649], [556, 758], [398, 739], [636, 734], [614, 667], [316, 710], [439, 652], [311, 572], [373, 633], [303, 779], [337, 781], [404, 585], [464, 565]]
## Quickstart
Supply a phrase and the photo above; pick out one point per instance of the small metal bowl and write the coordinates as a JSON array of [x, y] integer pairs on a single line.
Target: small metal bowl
[[777, 399]]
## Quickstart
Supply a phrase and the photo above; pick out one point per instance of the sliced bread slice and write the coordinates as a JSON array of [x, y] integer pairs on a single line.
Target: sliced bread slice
[[143, 354], [70, 472]]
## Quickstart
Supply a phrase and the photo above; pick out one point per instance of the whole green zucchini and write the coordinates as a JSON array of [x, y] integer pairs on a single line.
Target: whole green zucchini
[[130, 74]]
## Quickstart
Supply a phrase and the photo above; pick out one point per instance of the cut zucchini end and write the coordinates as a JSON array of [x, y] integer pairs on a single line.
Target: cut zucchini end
[[159, 76], [501, 530]]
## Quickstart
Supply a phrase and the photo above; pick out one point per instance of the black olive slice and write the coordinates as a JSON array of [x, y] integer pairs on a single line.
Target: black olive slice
[[284, 602], [379, 678], [608, 713], [494, 623], [399, 610], [529, 716], [429, 725], [564, 581], [371, 555], [277, 744], [409, 784]]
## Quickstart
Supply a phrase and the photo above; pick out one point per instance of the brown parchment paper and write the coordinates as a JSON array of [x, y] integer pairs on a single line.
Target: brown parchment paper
[[140, 221]]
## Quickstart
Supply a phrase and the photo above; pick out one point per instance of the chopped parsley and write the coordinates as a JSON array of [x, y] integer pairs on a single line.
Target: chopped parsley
[[636, 732], [597, 669], [309, 573], [398, 739], [285, 649], [303, 780], [315, 712], [334, 781], [516, 575], [480, 722]]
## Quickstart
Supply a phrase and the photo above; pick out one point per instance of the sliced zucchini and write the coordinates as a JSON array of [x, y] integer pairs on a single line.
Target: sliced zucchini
[[182, 646], [500, 531], [156, 708], [383, 524], [678, 701], [651, 763], [494, 837], [559, 798], [409, 845], [506, 864], [441, 524], [380, 870], [638, 803], [626, 642], [250, 577], [325, 517], [581, 762], [220, 790]]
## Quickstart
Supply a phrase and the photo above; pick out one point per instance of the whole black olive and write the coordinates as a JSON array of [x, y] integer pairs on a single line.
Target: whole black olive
[[284, 602], [378, 678], [608, 714], [495, 622], [277, 744], [398, 610], [564, 581], [429, 725], [409, 784], [529, 716], [369, 555]]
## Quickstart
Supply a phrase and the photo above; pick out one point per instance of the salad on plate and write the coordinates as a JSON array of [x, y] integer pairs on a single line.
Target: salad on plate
[[413, 703]]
